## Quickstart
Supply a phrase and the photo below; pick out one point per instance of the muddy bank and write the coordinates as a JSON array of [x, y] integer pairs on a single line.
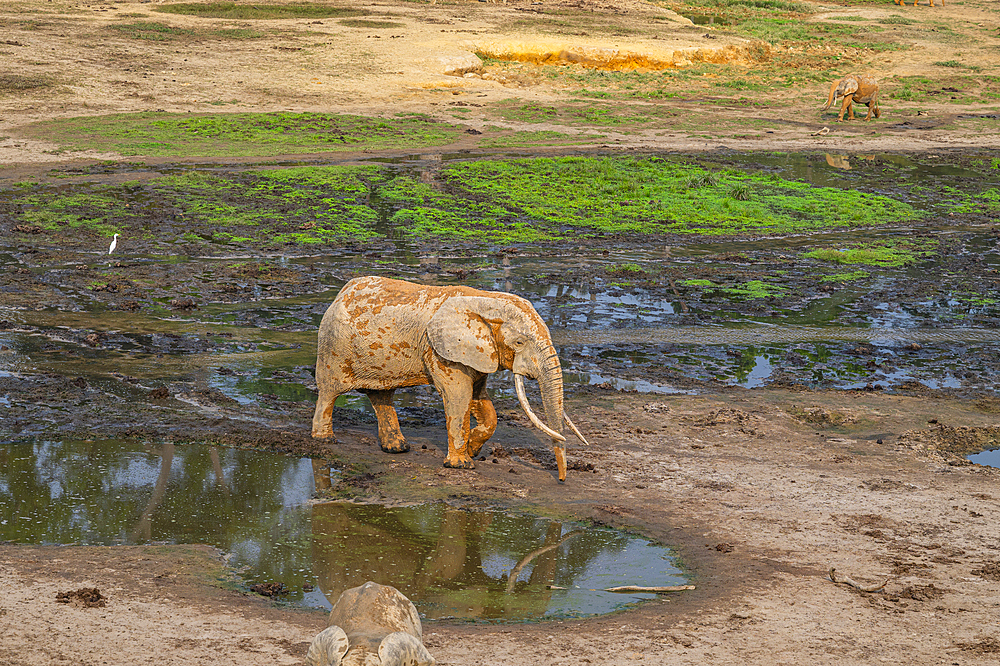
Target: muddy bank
[[760, 492]]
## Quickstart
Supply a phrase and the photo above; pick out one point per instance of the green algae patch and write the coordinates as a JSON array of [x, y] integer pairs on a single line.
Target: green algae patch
[[302, 206], [886, 255], [650, 195], [241, 134], [490, 202], [743, 291]]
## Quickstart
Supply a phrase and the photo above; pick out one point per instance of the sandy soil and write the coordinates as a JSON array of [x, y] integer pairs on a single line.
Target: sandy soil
[[762, 492], [301, 65]]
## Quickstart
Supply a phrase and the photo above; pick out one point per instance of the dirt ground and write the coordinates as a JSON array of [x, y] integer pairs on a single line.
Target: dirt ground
[[762, 492], [82, 66]]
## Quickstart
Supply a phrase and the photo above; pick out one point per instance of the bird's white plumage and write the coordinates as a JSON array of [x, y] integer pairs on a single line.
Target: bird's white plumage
[[114, 244]]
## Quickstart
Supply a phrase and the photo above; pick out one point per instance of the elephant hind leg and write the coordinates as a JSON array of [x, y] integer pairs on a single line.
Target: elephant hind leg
[[322, 427], [390, 438]]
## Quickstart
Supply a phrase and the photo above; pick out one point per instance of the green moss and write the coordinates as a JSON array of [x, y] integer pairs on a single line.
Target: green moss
[[876, 254], [241, 134], [486, 202], [624, 270], [657, 196], [743, 291], [754, 289]]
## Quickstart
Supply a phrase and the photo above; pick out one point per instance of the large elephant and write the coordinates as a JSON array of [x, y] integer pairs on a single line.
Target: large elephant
[[860, 88], [381, 334]]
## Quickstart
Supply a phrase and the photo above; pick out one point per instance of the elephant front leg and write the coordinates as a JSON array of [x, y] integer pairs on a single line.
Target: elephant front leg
[[486, 418], [389, 436]]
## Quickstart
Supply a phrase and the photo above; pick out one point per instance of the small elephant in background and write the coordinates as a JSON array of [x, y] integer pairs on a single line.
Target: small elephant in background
[[370, 625], [860, 88], [380, 334]]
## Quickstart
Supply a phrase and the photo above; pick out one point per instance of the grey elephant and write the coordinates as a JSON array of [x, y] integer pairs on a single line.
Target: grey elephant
[[381, 334], [370, 625]]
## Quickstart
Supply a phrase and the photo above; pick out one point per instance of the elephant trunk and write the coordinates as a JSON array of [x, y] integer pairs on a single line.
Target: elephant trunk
[[833, 93], [549, 374], [551, 385]]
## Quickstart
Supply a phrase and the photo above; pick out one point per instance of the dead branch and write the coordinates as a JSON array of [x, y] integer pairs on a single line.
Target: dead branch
[[822, 132], [861, 588], [658, 590]]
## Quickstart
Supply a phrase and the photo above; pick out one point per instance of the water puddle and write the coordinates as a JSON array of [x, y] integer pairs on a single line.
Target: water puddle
[[482, 565], [989, 458]]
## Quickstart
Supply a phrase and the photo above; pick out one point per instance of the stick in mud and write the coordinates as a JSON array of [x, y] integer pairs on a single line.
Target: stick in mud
[[847, 581]]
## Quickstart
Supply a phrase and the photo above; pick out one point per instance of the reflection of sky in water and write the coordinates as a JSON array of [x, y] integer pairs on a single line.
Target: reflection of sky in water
[[988, 458], [762, 369], [892, 316], [111, 492]]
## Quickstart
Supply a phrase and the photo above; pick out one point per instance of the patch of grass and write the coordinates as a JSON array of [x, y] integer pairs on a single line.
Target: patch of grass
[[876, 254], [985, 202], [486, 202], [583, 113], [240, 134], [539, 138], [754, 289], [898, 20], [954, 88], [246, 12], [749, 290], [657, 196], [151, 31], [625, 270], [365, 23], [15, 83]]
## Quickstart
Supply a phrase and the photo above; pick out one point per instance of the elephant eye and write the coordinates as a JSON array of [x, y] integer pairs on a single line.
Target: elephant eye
[[518, 342]]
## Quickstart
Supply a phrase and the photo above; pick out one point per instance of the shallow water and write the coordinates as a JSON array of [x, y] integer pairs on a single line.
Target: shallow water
[[989, 458], [928, 325], [255, 506]]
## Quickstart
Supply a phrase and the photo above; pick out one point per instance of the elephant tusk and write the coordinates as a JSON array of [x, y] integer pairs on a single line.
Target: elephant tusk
[[523, 399], [575, 430]]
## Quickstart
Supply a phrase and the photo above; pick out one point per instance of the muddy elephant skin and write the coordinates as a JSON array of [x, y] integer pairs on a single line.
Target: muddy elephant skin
[[371, 624], [855, 88], [382, 334]]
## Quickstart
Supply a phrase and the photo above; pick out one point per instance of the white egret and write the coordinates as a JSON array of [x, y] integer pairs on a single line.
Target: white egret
[[114, 244]]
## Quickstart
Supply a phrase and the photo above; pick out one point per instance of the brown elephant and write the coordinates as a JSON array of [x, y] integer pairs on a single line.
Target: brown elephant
[[860, 88], [381, 334]]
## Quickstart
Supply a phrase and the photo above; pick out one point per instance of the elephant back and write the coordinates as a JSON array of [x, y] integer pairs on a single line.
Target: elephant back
[[371, 611]]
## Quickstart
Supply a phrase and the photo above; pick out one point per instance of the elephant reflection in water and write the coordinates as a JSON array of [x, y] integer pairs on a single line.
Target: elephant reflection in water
[[442, 573]]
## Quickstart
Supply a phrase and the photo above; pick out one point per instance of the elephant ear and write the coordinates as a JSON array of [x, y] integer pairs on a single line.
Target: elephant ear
[[328, 648], [848, 86], [459, 332], [402, 649]]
